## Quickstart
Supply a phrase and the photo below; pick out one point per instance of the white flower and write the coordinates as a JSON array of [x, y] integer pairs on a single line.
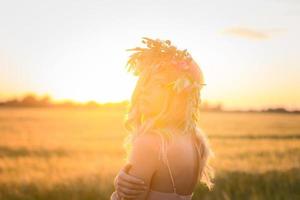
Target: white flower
[[181, 83]]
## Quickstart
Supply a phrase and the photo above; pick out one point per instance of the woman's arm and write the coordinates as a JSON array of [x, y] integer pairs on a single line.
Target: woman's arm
[[142, 164], [128, 186], [144, 160]]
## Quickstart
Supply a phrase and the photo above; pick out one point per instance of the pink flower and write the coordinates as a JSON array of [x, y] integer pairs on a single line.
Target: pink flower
[[183, 65]]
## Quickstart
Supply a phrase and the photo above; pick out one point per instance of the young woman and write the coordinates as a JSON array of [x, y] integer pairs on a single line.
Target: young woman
[[168, 151]]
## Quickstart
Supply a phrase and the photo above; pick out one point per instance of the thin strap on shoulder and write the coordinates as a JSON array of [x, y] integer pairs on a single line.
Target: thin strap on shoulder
[[170, 172], [164, 154]]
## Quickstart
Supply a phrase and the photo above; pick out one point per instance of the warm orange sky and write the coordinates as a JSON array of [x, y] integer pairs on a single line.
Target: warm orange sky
[[248, 50]]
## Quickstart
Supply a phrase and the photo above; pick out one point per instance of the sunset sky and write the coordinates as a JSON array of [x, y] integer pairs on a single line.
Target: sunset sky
[[249, 51]]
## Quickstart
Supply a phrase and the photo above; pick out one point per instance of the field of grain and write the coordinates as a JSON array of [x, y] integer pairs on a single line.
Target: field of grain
[[62, 154]]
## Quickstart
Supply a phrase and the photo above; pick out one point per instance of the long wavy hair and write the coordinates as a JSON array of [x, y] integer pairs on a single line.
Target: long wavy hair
[[147, 62]]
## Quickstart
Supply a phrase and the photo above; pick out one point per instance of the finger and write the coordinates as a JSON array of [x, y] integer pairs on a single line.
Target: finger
[[128, 185], [131, 179], [121, 186], [126, 168], [128, 191], [115, 180]]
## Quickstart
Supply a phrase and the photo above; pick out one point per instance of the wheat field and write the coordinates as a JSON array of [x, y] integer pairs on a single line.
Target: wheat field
[[62, 154]]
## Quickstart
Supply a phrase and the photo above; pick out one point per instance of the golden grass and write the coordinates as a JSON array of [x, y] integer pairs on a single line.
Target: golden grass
[[75, 153]]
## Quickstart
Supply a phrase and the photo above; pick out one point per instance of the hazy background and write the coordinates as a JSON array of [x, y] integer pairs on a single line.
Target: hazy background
[[248, 50]]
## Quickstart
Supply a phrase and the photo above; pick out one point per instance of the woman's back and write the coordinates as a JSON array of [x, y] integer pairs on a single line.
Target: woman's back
[[182, 166]]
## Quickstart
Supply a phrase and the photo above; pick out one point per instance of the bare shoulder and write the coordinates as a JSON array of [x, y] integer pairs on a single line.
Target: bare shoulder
[[145, 151], [147, 142], [144, 157]]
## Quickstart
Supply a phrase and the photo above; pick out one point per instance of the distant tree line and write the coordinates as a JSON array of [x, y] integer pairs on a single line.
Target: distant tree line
[[31, 100]]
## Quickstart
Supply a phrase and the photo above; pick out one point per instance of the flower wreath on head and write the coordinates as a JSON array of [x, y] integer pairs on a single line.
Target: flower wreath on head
[[161, 54]]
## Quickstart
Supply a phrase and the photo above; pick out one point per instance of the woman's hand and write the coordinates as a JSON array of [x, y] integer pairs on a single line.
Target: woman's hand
[[128, 186]]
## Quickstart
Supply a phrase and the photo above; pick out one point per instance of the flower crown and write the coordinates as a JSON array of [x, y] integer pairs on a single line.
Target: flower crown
[[161, 54]]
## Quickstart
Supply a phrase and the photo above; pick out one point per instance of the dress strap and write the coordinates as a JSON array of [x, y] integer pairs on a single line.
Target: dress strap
[[170, 172], [165, 155]]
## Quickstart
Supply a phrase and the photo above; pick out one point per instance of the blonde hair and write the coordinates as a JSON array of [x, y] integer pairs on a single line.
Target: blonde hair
[[136, 125]]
